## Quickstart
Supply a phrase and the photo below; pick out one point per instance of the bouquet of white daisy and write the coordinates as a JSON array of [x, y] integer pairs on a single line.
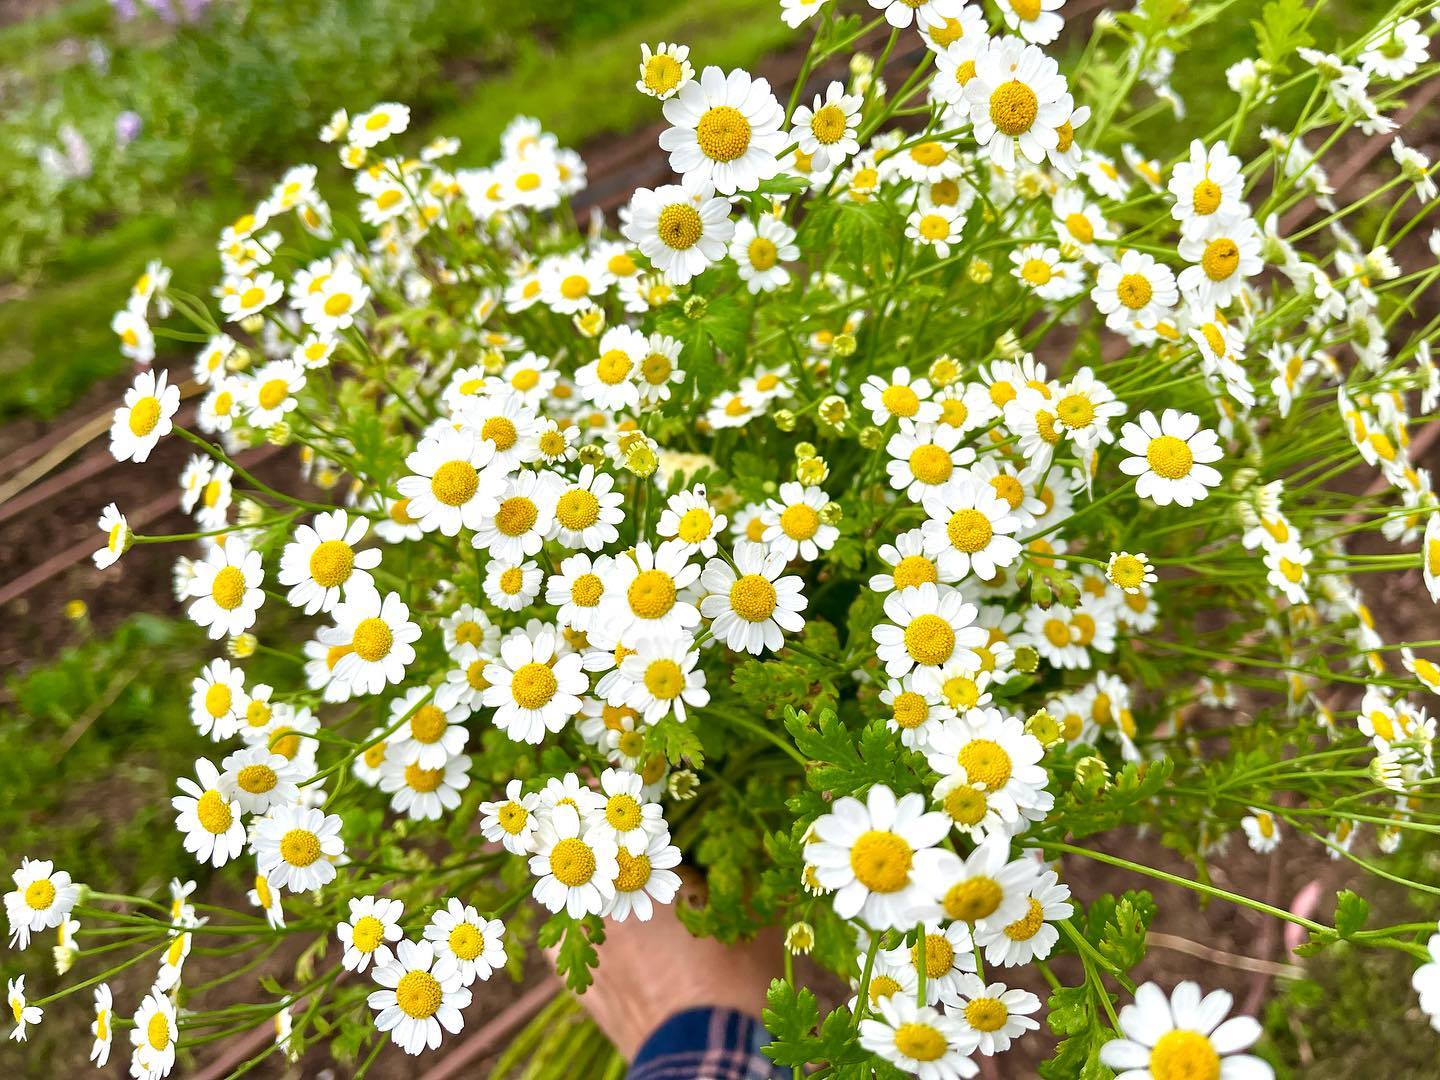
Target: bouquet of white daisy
[[907, 494]]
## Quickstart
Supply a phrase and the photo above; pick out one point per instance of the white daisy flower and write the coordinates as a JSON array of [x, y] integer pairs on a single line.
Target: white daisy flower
[[726, 131], [1262, 831], [144, 418], [218, 407], [793, 525], [1222, 257], [760, 250], [681, 228], [985, 888], [257, 778], [826, 129], [476, 944], [1184, 1035], [949, 956], [969, 529], [919, 1039], [609, 381], [750, 605], [645, 876], [1031, 937], [1136, 291], [1171, 457], [576, 865], [424, 794], [154, 1036], [296, 847], [995, 1013], [421, 997], [333, 306], [512, 586], [577, 589], [42, 899], [587, 511], [468, 625], [137, 342], [658, 677], [902, 397], [225, 592], [625, 810], [1017, 102], [465, 681], [908, 563], [1207, 186], [660, 370], [995, 754], [643, 594], [511, 822], [1037, 21], [935, 226], [454, 481], [378, 124], [928, 626], [523, 519], [879, 857], [664, 70], [532, 690], [924, 457], [431, 735], [103, 1026], [689, 519], [207, 817], [321, 561], [117, 537], [378, 635]]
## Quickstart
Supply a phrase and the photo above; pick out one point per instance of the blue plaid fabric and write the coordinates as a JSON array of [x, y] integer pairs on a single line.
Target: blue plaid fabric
[[706, 1044]]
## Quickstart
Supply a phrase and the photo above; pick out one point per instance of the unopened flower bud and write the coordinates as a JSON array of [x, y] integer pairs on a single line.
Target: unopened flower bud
[[805, 450], [1026, 660], [834, 411], [1044, 727], [1092, 775], [843, 345], [832, 513], [871, 437], [590, 454], [242, 646], [800, 938], [696, 307], [979, 271], [812, 471], [784, 419], [944, 371]]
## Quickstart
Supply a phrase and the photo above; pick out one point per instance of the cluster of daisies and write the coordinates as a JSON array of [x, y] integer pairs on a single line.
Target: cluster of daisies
[[542, 540]]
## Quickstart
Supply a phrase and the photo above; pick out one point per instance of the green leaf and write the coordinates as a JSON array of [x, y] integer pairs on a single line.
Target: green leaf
[[1351, 913], [577, 939], [1122, 939], [1280, 31], [791, 1016]]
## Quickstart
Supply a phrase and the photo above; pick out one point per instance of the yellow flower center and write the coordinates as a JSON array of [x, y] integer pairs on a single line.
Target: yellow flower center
[[652, 594], [662, 74], [218, 700], [929, 640], [623, 813], [574, 286], [1076, 410], [1221, 258], [986, 763], [920, 1042], [973, 899], [367, 933], [914, 570], [1013, 108], [966, 805], [664, 679], [910, 709], [257, 779], [656, 368], [39, 895], [157, 1031], [423, 780], [1036, 271], [533, 685], [300, 847], [331, 563], [375, 754], [1205, 199], [399, 512], [1026, 927], [1184, 1055], [961, 692], [1169, 457], [372, 640], [252, 297], [500, 430], [512, 817], [828, 124], [762, 253], [723, 133], [614, 367], [577, 509], [144, 415], [900, 401], [939, 955], [969, 530], [419, 995], [680, 226], [228, 588], [882, 986], [752, 597], [634, 871], [1127, 572], [428, 724], [1134, 291], [572, 862], [986, 1014], [516, 516], [466, 942], [800, 522], [455, 483], [881, 861], [695, 525]]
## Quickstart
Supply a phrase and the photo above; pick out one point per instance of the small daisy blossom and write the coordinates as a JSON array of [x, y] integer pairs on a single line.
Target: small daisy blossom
[[421, 997], [511, 821], [42, 899], [826, 129], [658, 677], [207, 817], [377, 638], [1031, 937], [576, 865], [476, 944], [321, 561], [295, 847], [664, 70], [1184, 1036], [428, 735], [379, 123], [919, 1039], [750, 605], [117, 537], [681, 228], [968, 530], [451, 484], [760, 252], [373, 926], [155, 1034], [533, 689], [928, 626], [225, 592], [424, 794], [103, 1026], [793, 524], [1136, 291], [144, 418], [1170, 457], [726, 131], [257, 778], [645, 877], [995, 1013], [986, 888], [1017, 101], [880, 856], [936, 226]]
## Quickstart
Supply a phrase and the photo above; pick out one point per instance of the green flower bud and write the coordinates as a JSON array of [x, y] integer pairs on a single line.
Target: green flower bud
[[696, 307], [1026, 659]]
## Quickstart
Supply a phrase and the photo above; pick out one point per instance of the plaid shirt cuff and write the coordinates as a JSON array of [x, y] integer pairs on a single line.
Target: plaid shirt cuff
[[706, 1044]]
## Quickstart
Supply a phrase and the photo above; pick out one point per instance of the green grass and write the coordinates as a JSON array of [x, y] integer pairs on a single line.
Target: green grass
[[55, 342]]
